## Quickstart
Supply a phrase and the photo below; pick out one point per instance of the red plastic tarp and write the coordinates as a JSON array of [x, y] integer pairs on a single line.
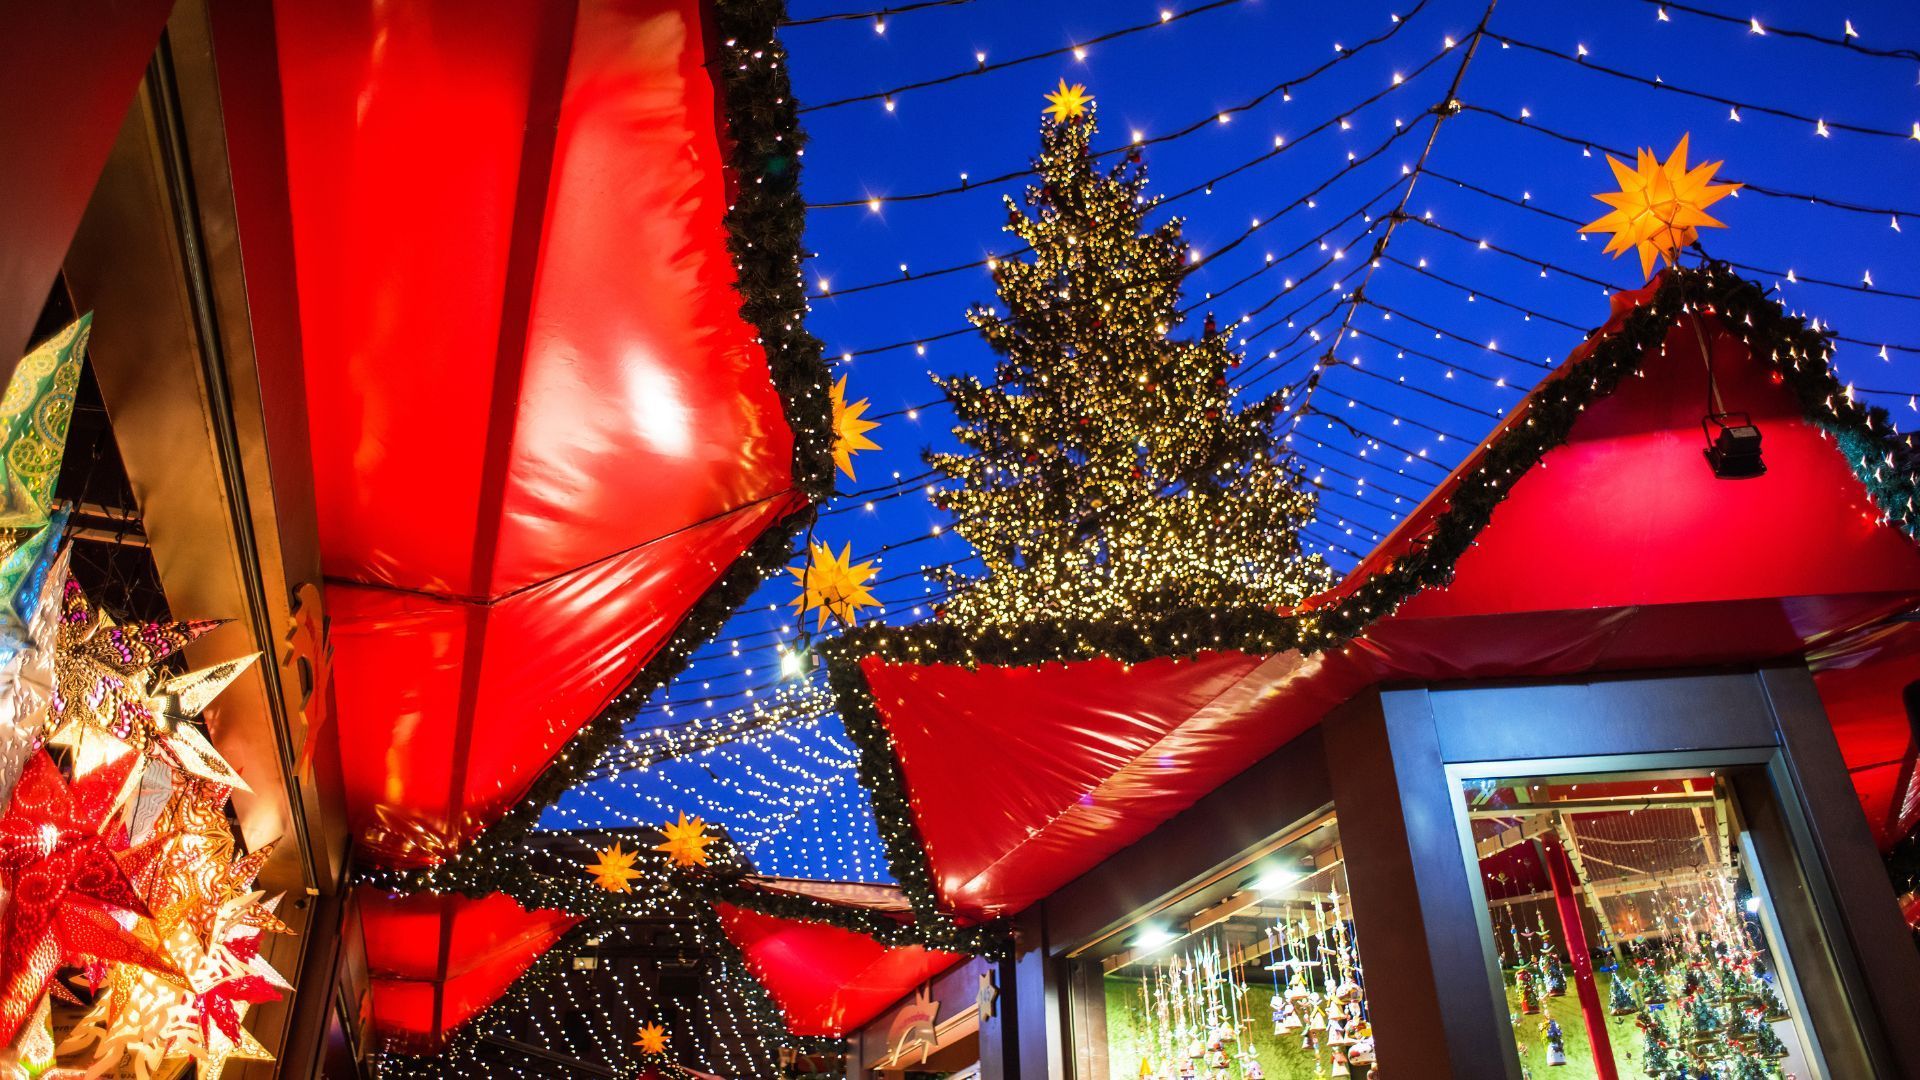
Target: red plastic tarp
[[1620, 551], [439, 958], [827, 981], [541, 429]]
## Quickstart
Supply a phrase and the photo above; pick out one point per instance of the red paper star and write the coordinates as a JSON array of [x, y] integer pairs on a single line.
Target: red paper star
[[63, 875]]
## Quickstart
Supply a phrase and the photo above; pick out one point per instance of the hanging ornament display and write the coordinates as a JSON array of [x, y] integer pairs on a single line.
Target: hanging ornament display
[[1660, 207], [850, 428]]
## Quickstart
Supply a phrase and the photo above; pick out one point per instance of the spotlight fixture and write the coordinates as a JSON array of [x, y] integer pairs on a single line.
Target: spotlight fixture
[[1733, 446]]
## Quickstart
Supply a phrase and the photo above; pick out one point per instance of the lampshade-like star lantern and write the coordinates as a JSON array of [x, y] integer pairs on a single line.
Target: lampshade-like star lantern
[[833, 586], [1068, 102], [652, 1040], [66, 881], [849, 428], [686, 841], [110, 696], [613, 871], [1660, 207]]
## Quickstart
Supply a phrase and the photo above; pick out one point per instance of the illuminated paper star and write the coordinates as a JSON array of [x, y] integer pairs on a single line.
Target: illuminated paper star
[[614, 872], [833, 586], [687, 841], [652, 1040], [849, 428], [1660, 207], [107, 698], [1068, 102], [66, 881]]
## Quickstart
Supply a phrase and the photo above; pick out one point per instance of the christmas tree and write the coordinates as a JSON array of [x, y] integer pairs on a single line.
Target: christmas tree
[[1105, 470]]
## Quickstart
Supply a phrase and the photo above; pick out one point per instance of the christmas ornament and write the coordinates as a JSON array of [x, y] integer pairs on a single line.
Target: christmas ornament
[[1660, 207], [1067, 103], [849, 428], [108, 698], [652, 1040], [833, 586], [614, 871], [65, 880], [26, 675], [686, 842]]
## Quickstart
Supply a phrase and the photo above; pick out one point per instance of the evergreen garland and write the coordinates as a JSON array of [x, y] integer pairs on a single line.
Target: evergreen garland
[[1796, 352]]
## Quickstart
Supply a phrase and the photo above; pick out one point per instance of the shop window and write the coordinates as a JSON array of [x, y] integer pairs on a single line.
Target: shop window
[[1633, 928], [1254, 975]]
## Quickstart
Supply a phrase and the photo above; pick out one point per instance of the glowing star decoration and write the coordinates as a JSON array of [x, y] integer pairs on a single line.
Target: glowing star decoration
[[849, 428], [107, 697], [158, 1022], [614, 872], [26, 678], [833, 586], [687, 841], [67, 883], [1660, 207], [652, 1040], [1068, 102]]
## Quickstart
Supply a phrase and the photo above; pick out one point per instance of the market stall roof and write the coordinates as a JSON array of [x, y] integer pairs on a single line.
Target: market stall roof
[[1617, 549], [436, 959], [542, 428], [826, 979]]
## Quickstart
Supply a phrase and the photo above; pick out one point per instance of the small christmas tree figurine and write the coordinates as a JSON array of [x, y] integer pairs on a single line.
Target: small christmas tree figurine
[[1620, 1001], [1105, 471], [1523, 981], [1767, 1042], [1553, 974], [1556, 1044]]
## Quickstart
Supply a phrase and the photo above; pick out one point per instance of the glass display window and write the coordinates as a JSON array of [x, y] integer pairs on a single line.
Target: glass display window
[[1633, 930], [1255, 975]]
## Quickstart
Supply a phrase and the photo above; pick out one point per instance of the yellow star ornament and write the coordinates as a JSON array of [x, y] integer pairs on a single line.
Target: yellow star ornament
[[1068, 102], [652, 1040], [849, 428], [833, 586], [614, 871], [687, 841], [1660, 207]]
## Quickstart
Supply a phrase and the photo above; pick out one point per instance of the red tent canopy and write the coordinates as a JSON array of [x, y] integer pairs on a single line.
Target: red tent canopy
[[828, 981], [541, 428], [1620, 550], [437, 959]]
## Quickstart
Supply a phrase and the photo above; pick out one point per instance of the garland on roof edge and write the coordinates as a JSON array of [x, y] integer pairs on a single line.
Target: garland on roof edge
[[1796, 352], [764, 227]]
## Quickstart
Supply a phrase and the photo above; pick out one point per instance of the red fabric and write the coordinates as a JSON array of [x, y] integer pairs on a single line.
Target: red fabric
[[1620, 551], [827, 981], [422, 992], [1861, 682], [540, 426]]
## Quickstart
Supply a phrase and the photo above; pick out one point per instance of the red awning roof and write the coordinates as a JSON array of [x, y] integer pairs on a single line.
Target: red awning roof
[[828, 981], [541, 428], [1620, 550], [438, 959]]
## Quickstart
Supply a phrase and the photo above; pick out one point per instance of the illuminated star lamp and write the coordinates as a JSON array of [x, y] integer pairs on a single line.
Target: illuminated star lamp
[[66, 882], [833, 586], [850, 428], [653, 1039], [686, 841], [35, 413], [1660, 207], [1068, 102], [614, 871]]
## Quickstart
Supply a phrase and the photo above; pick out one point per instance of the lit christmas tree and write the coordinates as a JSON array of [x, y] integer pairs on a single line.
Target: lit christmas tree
[[1106, 472]]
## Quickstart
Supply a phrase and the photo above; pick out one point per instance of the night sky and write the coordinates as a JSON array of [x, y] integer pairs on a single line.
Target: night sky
[[1452, 334]]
